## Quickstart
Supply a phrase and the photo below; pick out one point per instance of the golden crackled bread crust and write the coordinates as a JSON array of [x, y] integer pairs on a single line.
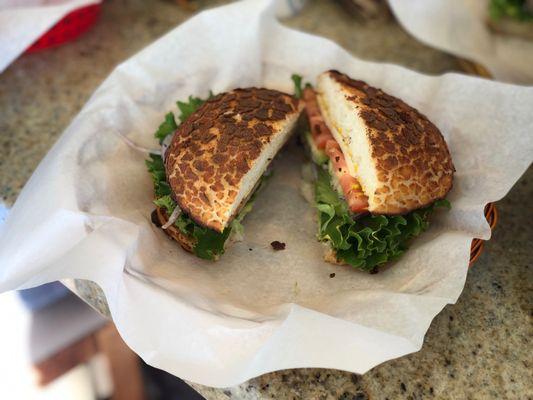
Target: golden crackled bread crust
[[212, 152], [159, 218], [409, 162]]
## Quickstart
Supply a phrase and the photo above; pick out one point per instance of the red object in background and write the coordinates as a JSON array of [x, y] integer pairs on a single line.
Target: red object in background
[[70, 27]]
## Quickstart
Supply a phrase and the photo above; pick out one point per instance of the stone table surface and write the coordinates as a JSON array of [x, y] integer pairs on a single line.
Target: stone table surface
[[478, 348]]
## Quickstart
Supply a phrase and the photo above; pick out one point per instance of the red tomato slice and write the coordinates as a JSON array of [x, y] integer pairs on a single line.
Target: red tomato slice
[[353, 193], [322, 139]]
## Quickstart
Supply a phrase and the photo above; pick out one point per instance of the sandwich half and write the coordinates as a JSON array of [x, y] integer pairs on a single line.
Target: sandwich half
[[383, 167], [215, 161]]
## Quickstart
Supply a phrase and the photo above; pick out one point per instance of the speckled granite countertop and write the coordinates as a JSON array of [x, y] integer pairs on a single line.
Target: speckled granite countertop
[[478, 348]]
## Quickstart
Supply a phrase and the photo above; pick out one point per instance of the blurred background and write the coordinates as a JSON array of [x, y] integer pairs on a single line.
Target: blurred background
[[53, 55]]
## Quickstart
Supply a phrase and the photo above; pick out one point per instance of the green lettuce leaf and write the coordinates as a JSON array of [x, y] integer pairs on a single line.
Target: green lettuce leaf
[[298, 90], [190, 106], [365, 241], [156, 167], [443, 203], [297, 80], [237, 229], [515, 9], [167, 127], [167, 203], [209, 244]]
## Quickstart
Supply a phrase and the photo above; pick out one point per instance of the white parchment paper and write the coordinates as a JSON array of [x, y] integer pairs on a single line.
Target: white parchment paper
[[22, 22], [460, 27], [85, 213]]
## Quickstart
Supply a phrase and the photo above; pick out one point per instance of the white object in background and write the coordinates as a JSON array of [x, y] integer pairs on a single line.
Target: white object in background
[[22, 22], [101, 376], [18, 378], [460, 28], [75, 384], [85, 213]]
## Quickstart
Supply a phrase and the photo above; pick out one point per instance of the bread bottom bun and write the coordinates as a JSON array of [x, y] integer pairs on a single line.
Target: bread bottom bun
[[159, 218]]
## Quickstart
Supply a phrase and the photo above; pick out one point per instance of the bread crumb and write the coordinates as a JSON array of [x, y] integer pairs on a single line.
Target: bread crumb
[[277, 245]]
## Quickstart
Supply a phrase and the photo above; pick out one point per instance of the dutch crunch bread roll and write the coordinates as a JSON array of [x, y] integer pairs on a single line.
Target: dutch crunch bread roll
[[218, 155], [398, 156]]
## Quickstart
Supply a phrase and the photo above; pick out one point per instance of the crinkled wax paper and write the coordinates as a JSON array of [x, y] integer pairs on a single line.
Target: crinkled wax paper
[[460, 27], [85, 213]]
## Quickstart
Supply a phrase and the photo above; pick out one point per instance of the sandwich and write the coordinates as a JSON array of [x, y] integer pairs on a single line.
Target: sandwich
[[512, 17], [381, 167], [214, 162]]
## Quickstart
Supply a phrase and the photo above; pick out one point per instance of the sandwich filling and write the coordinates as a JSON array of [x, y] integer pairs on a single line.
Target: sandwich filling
[[324, 143]]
